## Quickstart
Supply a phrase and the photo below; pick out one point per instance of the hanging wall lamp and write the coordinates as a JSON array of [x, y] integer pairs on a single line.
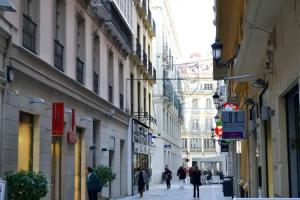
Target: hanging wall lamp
[[217, 54]]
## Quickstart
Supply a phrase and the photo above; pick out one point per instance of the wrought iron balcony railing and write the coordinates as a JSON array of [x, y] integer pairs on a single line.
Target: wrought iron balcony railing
[[145, 60], [150, 68], [110, 93], [79, 70], [96, 82], [29, 33], [138, 49], [58, 55], [121, 101]]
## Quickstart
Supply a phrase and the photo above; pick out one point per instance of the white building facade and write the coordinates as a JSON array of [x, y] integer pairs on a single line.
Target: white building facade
[[80, 54], [167, 100], [198, 148]]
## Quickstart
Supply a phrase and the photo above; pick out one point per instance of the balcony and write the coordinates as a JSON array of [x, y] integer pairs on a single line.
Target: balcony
[[110, 93], [58, 55], [29, 33], [148, 21], [145, 60], [121, 101], [136, 55], [141, 6], [149, 71], [79, 70], [102, 9], [153, 29], [117, 27], [96, 82]]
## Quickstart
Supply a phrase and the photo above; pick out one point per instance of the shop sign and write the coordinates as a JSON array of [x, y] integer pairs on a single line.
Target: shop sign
[[233, 124], [57, 119]]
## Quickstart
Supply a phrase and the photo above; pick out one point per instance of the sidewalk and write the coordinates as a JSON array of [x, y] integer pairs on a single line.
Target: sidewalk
[[159, 192]]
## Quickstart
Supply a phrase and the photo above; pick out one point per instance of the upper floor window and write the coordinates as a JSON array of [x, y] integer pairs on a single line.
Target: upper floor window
[[208, 103], [121, 85], [30, 18], [96, 62], [59, 34], [110, 75], [195, 103], [207, 86], [195, 124], [80, 49]]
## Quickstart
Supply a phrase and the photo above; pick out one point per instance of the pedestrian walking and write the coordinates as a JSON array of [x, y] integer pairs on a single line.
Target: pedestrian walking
[[93, 184], [196, 180], [141, 180], [168, 176], [181, 175]]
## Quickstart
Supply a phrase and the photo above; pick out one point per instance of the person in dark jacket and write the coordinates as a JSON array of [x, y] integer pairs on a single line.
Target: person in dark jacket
[[141, 180], [93, 184], [168, 176], [196, 180], [182, 175]]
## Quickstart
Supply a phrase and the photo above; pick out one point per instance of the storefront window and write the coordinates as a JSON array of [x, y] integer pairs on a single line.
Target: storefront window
[[25, 142]]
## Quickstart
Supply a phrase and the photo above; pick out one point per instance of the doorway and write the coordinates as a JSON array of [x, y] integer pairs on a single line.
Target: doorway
[[56, 168], [293, 140], [269, 155], [111, 165], [78, 164]]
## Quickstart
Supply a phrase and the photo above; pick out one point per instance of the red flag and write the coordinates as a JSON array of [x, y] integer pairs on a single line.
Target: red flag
[[57, 119]]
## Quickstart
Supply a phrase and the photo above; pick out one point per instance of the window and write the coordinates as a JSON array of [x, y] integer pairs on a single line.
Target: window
[[208, 124], [195, 103], [96, 62], [132, 92], [149, 105], [110, 76], [145, 101], [207, 86], [195, 124], [29, 24], [59, 34], [208, 103], [121, 85], [139, 98], [80, 49], [25, 141]]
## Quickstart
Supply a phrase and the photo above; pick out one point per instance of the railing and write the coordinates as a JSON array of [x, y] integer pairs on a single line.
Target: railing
[[153, 27], [145, 59], [110, 93], [79, 70], [138, 49], [121, 26], [96, 82], [121, 101], [58, 55], [29, 33], [150, 68], [154, 74]]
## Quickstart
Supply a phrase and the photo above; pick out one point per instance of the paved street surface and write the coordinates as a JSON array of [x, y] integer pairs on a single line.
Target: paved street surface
[[159, 192]]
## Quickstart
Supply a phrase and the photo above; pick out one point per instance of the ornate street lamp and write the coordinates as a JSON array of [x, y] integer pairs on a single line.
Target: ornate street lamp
[[217, 50], [216, 99]]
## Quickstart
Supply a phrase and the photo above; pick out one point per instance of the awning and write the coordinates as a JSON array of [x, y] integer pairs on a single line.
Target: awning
[[6, 5]]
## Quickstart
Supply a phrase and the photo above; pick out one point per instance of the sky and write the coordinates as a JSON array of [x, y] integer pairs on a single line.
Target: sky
[[193, 21]]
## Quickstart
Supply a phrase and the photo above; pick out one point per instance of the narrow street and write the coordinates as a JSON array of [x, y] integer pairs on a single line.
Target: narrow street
[[159, 192]]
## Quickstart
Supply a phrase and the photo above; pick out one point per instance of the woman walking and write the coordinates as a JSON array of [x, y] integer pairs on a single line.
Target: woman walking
[[182, 175], [168, 177], [196, 180]]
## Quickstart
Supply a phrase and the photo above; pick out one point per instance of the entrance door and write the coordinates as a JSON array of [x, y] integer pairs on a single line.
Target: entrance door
[[292, 111], [78, 164], [56, 168], [111, 165]]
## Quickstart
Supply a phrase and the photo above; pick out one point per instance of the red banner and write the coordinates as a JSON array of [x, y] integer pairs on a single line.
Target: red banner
[[57, 119]]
